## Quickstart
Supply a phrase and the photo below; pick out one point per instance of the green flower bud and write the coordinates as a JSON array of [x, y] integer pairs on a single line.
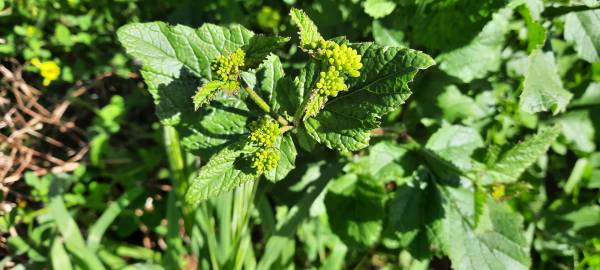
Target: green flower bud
[[342, 57], [264, 132], [331, 83], [228, 67], [265, 160]]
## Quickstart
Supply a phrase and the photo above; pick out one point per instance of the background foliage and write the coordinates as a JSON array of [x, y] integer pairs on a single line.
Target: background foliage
[[491, 163]]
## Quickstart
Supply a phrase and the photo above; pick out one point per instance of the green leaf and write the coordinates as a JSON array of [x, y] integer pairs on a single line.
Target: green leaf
[[536, 33], [287, 160], [578, 130], [59, 256], [482, 54], [308, 30], [175, 58], [72, 235], [278, 91], [582, 29], [260, 46], [355, 207], [222, 173], [388, 36], [205, 93], [457, 106], [542, 89], [99, 227], [455, 144], [414, 212], [347, 120], [379, 8], [498, 243], [215, 126], [511, 164]]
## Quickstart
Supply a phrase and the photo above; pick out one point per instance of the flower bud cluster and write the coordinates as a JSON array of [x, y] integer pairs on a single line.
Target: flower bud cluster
[[264, 133], [228, 67], [265, 160], [340, 61], [331, 82]]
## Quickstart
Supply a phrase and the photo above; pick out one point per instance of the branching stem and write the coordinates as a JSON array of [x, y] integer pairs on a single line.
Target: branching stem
[[264, 106]]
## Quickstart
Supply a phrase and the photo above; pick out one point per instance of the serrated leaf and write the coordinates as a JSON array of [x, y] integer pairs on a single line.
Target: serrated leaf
[[511, 164], [278, 91], [498, 243], [355, 208], [543, 89], [582, 29], [455, 144], [347, 120], [222, 173], [205, 93], [260, 46], [175, 58], [215, 126], [414, 212], [309, 32], [287, 159], [379, 8], [482, 54]]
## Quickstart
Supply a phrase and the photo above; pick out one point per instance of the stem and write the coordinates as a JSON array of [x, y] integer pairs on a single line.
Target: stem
[[264, 106], [176, 159]]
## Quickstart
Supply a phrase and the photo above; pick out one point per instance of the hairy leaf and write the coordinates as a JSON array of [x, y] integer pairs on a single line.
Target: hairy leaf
[[455, 144], [482, 54], [583, 29], [260, 46], [347, 120], [511, 164], [542, 89], [223, 172], [498, 242], [175, 58], [287, 160], [308, 30]]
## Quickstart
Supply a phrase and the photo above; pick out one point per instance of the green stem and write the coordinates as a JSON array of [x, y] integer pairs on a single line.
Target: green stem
[[262, 104], [176, 159]]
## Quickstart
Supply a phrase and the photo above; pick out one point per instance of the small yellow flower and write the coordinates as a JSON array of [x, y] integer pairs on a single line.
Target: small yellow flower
[[498, 191], [48, 69], [30, 31]]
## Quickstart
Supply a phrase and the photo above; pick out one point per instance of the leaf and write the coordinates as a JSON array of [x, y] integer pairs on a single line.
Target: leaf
[[277, 90], [215, 126], [72, 235], [414, 212], [59, 256], [347, 120], [260, 46], [287, 160], [536, 33], [511, 164], [99, 227], [582, 29], [542, 89], [308, 30], [222, 173], [498, 243], [175, 58], [482, 54], [457, 106], [355, 208], [455, 144], [578, 130], [206, 93], [379, 8], [388, 36]]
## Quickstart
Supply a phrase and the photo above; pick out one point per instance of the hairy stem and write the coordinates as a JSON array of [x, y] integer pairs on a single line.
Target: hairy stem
[[264, 106]]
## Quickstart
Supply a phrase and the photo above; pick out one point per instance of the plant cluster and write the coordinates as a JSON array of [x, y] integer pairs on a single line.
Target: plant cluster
[[376, 134]]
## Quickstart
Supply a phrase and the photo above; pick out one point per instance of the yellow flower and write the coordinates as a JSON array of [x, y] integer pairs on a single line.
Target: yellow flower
[[498, 191], [48, 69], [30, 31]]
